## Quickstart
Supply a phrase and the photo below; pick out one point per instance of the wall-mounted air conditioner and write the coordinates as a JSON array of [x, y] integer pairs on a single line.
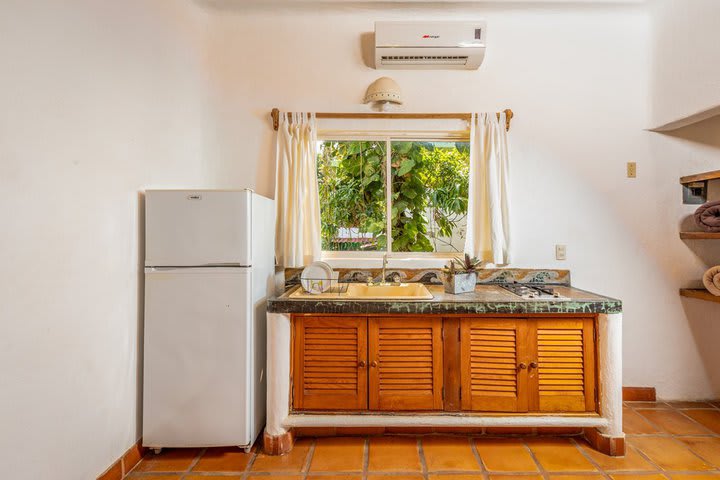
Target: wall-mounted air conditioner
[[429, 45]]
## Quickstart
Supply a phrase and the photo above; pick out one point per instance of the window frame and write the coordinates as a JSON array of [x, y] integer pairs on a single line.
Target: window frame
[[389, 136]]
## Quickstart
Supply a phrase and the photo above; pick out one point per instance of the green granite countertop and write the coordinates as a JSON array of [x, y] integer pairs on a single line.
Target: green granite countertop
[[486, 299]]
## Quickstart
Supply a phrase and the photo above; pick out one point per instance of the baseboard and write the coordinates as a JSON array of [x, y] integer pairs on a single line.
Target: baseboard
[[639, 394], [125, 463]]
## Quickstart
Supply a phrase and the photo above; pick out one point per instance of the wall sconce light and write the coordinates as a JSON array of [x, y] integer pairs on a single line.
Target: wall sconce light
[[384, 92]]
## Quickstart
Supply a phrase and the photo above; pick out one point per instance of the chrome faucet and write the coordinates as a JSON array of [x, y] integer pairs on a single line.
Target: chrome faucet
[[385, 261]]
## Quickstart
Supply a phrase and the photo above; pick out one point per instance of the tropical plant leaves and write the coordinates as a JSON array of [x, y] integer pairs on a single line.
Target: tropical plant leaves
[[406, 166], [429, 193]]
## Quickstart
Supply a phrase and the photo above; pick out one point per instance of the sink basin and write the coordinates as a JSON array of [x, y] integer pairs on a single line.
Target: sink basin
[[403, 291], [362, 291]]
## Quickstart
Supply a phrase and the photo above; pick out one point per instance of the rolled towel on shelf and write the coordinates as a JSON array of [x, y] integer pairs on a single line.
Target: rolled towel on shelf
[[707, 217], [711, 280]]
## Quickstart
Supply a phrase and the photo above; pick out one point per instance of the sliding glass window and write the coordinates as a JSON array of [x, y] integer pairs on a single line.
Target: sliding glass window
[[393, 195]]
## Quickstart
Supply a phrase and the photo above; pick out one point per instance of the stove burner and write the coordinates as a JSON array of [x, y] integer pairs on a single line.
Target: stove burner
[[529, 291]]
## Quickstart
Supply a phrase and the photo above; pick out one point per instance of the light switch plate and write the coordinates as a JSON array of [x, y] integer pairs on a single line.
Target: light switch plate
[[560, 252], [631, 170]]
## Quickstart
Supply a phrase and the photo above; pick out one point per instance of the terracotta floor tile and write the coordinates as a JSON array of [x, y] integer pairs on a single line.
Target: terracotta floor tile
[[636, 476], [449, 454], [707, 447], [690, 404], [338, 454], [169, 460], [464, 476], [505, 455], [709, 418], [631, 462], [225, 460], [205, 477], [668, 453], [155, 477], [635, 424], [394, 454], [557, 455], [589, 476], [417, 476], [515, 477], [648, 405], [292, 462], [254, 476], [327, 477], [708, 476], [673, 422]]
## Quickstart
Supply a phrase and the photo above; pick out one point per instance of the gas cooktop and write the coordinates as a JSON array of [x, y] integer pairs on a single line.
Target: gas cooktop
[[533, 292]]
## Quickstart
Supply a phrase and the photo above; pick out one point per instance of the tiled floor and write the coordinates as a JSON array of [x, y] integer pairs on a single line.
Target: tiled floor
[[676, 441]]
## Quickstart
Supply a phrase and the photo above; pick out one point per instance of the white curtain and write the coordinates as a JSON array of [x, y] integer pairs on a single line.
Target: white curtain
[[488, 235], [297, 218]]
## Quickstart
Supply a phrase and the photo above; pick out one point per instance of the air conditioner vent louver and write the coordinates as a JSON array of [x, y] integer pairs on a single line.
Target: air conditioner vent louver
[[424, 59]]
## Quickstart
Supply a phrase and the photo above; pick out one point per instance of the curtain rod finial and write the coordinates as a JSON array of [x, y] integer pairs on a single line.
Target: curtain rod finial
[[275, 114]]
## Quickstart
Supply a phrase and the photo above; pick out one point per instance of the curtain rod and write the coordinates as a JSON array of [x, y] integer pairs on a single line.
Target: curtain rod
[[275, 113]]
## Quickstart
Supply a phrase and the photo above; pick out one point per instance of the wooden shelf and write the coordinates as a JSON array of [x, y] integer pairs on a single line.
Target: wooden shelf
[[701, 177], [699, 293], [700, 236]]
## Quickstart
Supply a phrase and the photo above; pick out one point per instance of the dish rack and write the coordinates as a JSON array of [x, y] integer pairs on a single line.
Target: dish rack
[[324, 285]]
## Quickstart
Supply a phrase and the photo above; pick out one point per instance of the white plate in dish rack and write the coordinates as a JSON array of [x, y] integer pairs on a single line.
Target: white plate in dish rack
[[317, 277]]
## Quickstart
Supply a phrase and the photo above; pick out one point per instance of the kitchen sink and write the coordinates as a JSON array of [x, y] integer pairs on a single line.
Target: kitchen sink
[[402, 291], [362, 291]]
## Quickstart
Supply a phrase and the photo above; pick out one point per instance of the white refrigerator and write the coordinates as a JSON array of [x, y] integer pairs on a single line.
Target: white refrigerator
[[209, 267]]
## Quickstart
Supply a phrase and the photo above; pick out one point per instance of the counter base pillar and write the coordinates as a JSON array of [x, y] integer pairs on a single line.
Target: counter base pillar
[[611, 446], [278, 444]]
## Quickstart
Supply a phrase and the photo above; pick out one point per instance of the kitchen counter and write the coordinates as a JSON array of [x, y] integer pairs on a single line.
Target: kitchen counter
[[486, 299]]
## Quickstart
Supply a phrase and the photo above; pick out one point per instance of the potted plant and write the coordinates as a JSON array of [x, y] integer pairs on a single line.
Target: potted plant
[[461, 274]]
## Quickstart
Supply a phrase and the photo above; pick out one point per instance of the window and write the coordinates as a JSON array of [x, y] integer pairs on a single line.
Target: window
[[393, 195]]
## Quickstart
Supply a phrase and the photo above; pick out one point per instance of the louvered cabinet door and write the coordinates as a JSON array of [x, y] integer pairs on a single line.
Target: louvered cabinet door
[[330, 355], [565, 376], [406, 363], [491, 351]]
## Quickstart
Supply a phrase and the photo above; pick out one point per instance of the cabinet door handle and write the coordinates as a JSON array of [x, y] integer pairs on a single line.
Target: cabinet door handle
[[533, 365], [361, 364], [522, 366], [373, 364]]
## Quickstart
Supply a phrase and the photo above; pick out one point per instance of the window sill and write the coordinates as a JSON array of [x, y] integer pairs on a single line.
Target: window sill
[[374, 260]]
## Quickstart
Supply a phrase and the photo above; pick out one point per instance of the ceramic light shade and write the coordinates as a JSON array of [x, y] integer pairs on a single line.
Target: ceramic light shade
[[384, 90]]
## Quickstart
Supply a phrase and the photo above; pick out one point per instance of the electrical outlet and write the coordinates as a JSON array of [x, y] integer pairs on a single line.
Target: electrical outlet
[[631, 170], [560, 252]]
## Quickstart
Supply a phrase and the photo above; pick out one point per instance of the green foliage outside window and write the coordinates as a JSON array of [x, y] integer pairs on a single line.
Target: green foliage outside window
[[429, 195]]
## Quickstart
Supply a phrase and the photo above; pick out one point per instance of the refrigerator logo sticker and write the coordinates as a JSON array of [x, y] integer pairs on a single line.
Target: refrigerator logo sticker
[[194, 197]]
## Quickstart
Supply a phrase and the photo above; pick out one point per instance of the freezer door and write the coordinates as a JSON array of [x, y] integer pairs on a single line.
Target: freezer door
[[197, 357], [197, 227]]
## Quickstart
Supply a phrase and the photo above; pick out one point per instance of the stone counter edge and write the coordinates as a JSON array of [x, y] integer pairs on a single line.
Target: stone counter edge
[[279, 305]]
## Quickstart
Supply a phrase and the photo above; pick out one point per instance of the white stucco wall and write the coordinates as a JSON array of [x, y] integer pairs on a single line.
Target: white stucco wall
[[98, 100], [578, 79], [686, 70]]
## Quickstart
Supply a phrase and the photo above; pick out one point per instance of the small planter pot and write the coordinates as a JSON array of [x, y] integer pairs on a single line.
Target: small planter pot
[[460, 282]]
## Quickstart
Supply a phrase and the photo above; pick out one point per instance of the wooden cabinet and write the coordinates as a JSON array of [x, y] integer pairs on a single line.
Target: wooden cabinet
[[332, 367], [527, 365], [564, 380], [425, 363], [490, 352], [406, 363], [330, 363]]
